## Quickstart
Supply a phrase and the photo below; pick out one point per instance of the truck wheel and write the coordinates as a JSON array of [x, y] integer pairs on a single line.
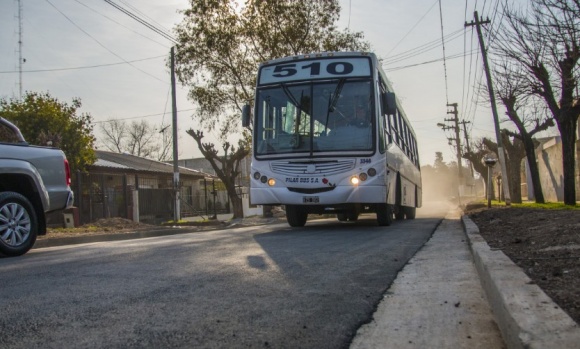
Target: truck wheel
[[384, 214], [18, 224], [296, 216]]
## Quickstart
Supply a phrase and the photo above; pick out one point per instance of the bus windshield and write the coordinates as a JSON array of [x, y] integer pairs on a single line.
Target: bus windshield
[[314, 117]]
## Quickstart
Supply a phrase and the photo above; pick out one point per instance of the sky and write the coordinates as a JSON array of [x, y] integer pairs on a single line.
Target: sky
[[117, 67]]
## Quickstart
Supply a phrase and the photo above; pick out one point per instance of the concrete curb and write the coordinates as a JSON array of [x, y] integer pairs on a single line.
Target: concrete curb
[[525, 315]]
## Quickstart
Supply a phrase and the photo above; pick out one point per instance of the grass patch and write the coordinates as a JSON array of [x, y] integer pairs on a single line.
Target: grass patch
[[546, 206]]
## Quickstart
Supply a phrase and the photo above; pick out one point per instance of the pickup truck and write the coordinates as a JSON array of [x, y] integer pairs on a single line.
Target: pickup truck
[[34, 180]]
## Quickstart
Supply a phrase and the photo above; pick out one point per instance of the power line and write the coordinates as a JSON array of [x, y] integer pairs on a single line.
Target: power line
[[458, 55], [142, 21], [410, 30], [83, 67], [140, 117], [120, 24], [100, 44], [421, 48], [443, 44]]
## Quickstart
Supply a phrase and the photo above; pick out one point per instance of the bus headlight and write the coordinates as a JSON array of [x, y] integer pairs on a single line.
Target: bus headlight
[[363, 176], [372, 172], [263, 179], [271, 182], [257, 175], [354, 180]]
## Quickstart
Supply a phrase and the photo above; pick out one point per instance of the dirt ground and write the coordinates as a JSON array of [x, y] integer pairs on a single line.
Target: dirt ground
[[544, 243], [123, 226]]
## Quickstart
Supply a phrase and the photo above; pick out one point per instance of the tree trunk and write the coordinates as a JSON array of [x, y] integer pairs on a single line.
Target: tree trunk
[[237, 206], [534, 171], [567, 127]]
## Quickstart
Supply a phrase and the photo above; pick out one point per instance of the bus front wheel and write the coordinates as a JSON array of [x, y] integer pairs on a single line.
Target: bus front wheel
[[384, 214], [296, 215]]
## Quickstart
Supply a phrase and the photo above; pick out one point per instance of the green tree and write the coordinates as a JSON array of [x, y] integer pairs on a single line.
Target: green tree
[[220, 48], [42, 118]]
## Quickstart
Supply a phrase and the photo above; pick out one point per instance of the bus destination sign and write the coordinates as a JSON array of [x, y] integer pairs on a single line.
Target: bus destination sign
[[324, 68]]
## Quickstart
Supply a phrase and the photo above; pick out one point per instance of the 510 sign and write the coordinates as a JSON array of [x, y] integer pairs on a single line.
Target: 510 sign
[[323, 68]]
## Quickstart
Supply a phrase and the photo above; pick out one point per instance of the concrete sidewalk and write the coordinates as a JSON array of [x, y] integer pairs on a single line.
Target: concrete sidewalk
[[436, 301], [458, 293]]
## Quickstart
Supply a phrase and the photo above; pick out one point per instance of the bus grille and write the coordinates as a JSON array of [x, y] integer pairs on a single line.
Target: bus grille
[[311, 190], [318, 167]]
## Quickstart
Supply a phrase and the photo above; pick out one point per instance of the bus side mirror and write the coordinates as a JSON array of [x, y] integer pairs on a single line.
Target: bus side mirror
[[389, 103], [246, 115]]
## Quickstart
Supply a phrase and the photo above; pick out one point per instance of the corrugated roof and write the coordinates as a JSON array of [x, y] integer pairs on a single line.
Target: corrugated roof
[[106, 163], [136, 163]]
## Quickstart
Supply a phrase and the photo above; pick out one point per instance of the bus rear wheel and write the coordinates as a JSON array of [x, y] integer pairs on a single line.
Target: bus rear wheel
[[410, 212], [296, 215], [384, 214]]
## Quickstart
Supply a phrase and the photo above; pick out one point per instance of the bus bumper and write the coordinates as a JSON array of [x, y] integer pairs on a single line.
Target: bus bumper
[[340, 195]]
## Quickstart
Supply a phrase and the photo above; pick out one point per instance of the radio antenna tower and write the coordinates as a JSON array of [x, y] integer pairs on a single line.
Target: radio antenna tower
[[20, 60]]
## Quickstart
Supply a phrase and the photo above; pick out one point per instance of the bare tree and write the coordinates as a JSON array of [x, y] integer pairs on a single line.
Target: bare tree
[[526, 112], [476, 155], [138, 138], [514, 149], [545, 40], [114, 133]]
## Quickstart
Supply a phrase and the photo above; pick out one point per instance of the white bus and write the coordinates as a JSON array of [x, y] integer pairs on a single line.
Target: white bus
[[329, 137]]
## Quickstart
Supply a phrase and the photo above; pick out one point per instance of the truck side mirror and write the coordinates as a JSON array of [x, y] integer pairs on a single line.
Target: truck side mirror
[[389, 103], [246, 115]]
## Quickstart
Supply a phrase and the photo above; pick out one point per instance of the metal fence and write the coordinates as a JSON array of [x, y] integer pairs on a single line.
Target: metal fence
[[111, 195]]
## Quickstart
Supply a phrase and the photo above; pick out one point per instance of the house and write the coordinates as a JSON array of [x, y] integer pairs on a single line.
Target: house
[[132, 187], [242, 182]]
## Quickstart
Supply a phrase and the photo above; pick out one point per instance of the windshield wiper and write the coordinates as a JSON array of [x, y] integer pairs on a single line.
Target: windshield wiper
[[334, 99]]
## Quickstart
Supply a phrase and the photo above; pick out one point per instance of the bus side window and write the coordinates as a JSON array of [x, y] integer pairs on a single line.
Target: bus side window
[[395, 128]]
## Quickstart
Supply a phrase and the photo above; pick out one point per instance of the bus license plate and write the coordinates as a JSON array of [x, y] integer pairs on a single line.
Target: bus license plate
[[310, 199]]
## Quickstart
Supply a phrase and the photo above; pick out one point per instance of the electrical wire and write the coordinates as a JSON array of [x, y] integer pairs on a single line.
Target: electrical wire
[[100, 44], [414, 26], [142, 21], [142, 116], [120, 24], [403, 56], [458, 55], [443, 44], [83, 67]]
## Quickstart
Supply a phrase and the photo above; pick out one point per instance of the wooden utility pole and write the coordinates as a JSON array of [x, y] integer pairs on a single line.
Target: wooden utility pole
[[463, 122], [457, 140], [176, 185], [455, 120], [500, 150]]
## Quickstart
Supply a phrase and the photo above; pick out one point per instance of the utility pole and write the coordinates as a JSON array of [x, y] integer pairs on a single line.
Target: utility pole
[[176, 185], [463, 122], [20, 59], [500, 151], [457, 140]]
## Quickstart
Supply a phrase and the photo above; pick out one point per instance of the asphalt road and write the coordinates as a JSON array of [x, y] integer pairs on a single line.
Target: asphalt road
[[254, 287]]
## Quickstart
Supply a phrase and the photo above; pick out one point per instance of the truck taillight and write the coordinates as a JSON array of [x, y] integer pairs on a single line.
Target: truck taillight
[[67, 172]]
